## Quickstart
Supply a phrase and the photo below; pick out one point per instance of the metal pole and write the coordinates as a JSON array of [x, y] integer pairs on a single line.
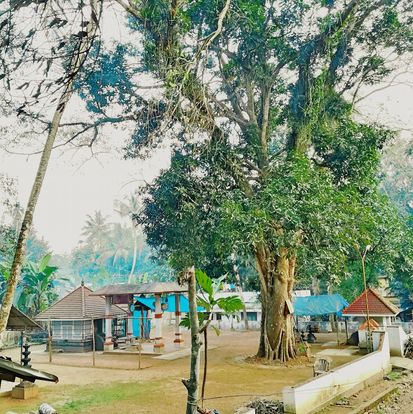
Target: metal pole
[[338, 337], [50, 343], [21, 347], [369, 347], [139, 353], [93, 343], [345, 321]]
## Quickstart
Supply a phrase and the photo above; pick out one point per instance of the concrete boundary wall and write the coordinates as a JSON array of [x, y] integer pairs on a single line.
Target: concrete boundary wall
[[397, 339], [316, 393]]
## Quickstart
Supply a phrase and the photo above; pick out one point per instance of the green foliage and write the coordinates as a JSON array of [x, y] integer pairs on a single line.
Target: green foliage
[[207, 299], [205, 219], [107, 79], [37, 289], [311, 183], [301, 175], [106, 255]]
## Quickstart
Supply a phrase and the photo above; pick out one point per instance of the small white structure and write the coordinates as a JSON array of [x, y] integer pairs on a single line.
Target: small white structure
[[236, 321], [74, 317], [372, 303]]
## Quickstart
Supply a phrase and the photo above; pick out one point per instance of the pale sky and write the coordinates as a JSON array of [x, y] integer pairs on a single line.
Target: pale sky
[[76, 185]]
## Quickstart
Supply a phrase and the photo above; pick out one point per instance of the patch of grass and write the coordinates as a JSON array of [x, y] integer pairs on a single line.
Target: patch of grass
[[394, 375], [106, 395]]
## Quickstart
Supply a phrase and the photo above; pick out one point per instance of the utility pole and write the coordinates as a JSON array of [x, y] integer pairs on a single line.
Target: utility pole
[[363, 267]]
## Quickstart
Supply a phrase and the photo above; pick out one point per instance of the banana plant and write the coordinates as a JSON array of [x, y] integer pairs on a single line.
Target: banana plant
[[207, 299], [36, 290]]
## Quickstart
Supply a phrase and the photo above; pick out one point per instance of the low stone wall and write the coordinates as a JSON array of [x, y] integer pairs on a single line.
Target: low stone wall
[[318, 392]]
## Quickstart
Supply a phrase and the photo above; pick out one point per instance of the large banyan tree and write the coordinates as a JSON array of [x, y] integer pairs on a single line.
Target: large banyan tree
[[269, 161]]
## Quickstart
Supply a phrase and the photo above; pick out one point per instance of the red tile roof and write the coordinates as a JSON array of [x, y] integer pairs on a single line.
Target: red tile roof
[[378, 306], [79, 304]]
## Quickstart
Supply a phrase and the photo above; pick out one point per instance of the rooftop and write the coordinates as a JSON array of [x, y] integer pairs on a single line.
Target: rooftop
[[378, 306], [140, 289], [18, 321], [79, 304]]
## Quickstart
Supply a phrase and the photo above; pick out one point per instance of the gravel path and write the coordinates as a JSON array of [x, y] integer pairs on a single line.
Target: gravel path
[[401, 402]]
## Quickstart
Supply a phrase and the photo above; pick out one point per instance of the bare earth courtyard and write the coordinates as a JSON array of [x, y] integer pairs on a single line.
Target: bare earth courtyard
[[116, 384]]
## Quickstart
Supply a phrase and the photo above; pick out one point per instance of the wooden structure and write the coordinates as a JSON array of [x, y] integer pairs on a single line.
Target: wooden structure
[[125, 293], [71, 319], [18, 321]]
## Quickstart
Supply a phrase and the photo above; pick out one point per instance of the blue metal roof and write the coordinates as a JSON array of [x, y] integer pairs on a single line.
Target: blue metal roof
[[149, 301], [319, 305]]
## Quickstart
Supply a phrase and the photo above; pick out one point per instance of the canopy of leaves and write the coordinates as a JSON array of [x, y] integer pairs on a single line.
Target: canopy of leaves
[[272, 156]]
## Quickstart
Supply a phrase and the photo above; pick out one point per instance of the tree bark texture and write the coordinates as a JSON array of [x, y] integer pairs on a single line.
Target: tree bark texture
[[78, 59], [277, 341], [192, 383]]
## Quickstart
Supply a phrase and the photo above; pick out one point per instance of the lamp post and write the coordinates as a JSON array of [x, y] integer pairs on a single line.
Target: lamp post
[[363, 268]]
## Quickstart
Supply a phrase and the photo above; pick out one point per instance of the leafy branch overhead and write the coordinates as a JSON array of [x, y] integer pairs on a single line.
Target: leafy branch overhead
[[270, 162]]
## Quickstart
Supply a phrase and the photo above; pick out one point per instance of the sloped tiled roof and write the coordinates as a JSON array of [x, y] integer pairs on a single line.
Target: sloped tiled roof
[[378, 306], [18, 321], [79, 304]]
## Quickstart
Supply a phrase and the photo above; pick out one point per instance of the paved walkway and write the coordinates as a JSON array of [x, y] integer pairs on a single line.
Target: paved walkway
[[348, 351], [182, 353]]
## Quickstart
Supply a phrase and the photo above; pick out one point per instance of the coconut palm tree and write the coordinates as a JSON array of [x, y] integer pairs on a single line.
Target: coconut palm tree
[[130, 208], [73, 69], [96, 231]]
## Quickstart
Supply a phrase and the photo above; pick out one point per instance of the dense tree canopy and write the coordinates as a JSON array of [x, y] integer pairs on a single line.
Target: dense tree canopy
[[271, 164], [270, 160]]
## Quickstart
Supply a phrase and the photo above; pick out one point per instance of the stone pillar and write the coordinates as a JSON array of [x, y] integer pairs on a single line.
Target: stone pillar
[[178, 335], [129, 322], [108, 345], [158, 328]]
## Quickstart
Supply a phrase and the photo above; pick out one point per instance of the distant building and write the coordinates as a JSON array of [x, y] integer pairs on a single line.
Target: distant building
[[379, 308], [236, 321], [71, 320]]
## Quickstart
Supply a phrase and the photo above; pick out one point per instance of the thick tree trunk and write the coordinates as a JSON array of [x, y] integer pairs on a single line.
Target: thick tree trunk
[[192, 383], [20, 252], [261, 346], [277, 340]]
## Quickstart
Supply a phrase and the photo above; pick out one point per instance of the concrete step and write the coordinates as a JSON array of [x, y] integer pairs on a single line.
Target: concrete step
[[400, 362]]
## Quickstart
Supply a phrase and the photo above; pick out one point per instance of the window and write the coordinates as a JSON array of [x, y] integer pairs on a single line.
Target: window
[[218, 316], [56, 327], [252, 316], [67, 329]]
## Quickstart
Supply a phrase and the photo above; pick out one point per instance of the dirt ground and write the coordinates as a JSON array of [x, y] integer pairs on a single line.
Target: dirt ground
[[116, 384]]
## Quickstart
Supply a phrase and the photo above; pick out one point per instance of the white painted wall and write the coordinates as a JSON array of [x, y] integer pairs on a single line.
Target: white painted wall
[[397, 339], [319, 391]]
